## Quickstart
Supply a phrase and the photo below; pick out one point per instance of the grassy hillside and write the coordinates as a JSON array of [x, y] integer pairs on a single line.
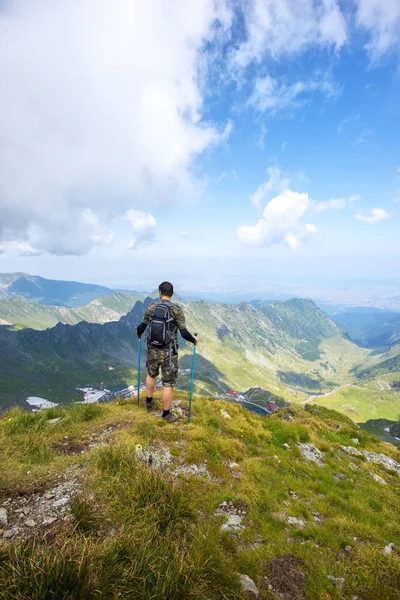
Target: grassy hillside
[[240, 348], [112, 503], [268, 348], [362, 403], [21, 312], [371, 327], [379, 363]]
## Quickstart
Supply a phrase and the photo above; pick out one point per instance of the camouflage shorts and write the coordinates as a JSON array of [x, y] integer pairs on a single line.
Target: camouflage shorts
[[159, 357]]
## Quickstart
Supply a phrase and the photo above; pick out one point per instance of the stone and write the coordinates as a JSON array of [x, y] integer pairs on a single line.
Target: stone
[[225, 414], [311, 453], [49, 495], [389, 548], [338, 582], [378, 479], [348, 549], [9, 533], [292, 494], [286, 446], [296, 522], [30, 523], [249, 588], [355, 441], [49, 520], [388, 463], [350, 450], [54, 421], [233, 465], [60, 502], [233, 523], [3, 517]]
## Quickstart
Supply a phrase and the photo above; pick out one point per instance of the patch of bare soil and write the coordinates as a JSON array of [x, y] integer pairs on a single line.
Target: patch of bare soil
[[285, 577]]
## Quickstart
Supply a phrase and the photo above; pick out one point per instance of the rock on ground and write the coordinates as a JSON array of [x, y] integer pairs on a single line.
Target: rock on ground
[[28, 513], [248, 587], [310, 452], [388, 463], [338, 582], [3, 517], [378, 479]]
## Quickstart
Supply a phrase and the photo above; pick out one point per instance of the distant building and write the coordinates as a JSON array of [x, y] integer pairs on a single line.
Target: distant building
[[232, 393], [110, 368], [272, 407]]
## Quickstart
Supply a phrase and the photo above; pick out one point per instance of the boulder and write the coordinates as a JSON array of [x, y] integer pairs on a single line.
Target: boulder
[[311, 453], [388, 463]]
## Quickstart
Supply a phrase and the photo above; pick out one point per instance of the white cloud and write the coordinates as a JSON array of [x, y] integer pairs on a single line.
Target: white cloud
[[381, 18], [271, 95], [278, 27], [281, 222], [365, 136], [274, 183], [143, 225], [373, 215], [336, 203], [101, 110]]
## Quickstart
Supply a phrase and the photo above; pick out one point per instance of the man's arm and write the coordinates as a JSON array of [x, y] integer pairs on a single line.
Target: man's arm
[[181, 322], [145, 321]]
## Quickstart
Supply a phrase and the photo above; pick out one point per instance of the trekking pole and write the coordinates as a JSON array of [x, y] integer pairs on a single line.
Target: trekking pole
[[138, 374], [192, 381]]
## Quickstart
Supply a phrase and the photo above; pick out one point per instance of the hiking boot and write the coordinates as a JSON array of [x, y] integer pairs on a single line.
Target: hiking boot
[[170, 418], [149, 406]]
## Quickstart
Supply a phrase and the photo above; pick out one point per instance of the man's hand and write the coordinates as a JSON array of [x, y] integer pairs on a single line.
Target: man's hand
[[196, 337]]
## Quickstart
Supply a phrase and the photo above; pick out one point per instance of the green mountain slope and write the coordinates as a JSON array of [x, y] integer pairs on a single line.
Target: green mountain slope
[[49, 291], [22, 312], [116, 504], [291, 348], [370, 327], [241, 348]]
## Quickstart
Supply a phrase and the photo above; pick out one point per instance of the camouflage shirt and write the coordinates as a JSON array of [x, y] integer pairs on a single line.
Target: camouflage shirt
[[177, 314]]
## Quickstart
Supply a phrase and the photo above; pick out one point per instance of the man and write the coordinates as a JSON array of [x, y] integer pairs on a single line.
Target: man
[[164, 356]]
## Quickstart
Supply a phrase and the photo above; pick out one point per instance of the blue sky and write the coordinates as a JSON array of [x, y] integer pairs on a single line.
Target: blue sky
[[238, 145]]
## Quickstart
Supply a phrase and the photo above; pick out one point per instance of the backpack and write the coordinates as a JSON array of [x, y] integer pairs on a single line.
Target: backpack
[[160, 333]]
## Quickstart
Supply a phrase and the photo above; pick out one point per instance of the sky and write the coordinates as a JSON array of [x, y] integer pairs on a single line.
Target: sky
[[224, 145]]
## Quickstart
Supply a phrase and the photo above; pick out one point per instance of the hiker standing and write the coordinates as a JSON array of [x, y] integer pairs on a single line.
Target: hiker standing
[[164, 319]]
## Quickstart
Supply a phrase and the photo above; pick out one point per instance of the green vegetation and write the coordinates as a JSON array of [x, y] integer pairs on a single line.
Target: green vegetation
[[21, 312], [137, 531], [364, 403]]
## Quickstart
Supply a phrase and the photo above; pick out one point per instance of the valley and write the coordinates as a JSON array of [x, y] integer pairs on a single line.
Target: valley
[[269, 353]]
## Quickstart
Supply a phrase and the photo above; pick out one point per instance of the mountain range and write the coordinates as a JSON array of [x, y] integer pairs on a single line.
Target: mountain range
[[289, 351], [50, 292]]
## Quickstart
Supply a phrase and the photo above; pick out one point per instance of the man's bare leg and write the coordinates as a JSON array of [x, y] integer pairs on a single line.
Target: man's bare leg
[[150, 385], [167, 398]]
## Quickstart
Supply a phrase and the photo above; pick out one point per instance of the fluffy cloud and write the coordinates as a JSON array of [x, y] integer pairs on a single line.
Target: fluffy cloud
[[373, 215], [101, 106], [281, 222], [337, 203], [274, 183], [381, 18], [275, 27], [271, 95], [143, 225]]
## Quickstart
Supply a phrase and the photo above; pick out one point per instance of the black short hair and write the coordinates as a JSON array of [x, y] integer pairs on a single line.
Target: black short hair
[[166, 289]]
